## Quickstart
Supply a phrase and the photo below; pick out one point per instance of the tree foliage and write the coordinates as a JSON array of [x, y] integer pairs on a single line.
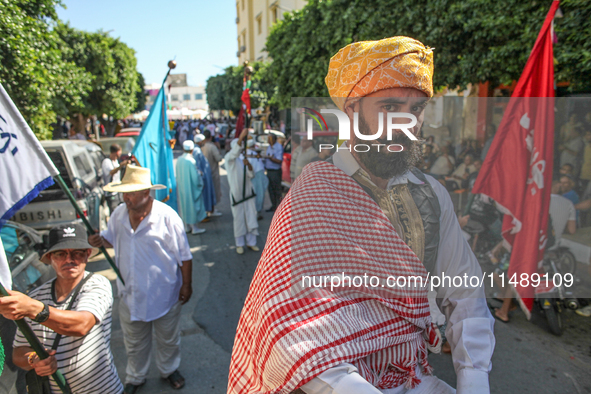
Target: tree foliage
[[474, 40], [50, 69], [40, 82], [224, 91], [113, 66], [141, 94]]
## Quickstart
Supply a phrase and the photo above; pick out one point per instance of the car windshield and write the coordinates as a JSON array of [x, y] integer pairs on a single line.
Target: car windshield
[[17, 243], [58, 160], [54, 192]]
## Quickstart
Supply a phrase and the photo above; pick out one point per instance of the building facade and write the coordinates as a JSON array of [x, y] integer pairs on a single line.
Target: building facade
[[254, 19], [179, 94]]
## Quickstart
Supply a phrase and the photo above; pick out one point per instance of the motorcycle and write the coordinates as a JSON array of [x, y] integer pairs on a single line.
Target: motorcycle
[[552, 295]]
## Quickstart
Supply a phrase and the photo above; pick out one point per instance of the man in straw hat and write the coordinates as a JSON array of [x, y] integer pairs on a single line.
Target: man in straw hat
[[190, 189], [83, 353], [365, 214], [152, 252]]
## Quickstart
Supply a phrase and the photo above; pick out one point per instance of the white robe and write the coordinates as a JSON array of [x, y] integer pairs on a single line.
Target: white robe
[[245, 213]]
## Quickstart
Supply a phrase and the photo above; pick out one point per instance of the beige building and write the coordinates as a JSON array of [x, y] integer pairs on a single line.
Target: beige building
[[254, 19], [179, 94]]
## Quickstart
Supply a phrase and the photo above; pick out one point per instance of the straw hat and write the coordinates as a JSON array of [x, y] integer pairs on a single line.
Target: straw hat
[[135, 179]]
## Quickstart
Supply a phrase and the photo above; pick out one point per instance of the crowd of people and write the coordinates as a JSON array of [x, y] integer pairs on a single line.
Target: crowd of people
[[361, 345]]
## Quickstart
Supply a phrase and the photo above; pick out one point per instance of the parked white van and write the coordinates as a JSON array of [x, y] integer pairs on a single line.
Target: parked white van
[[81, 175]]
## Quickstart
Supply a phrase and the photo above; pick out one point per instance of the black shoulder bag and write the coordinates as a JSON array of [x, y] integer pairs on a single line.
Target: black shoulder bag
[[40, 384]]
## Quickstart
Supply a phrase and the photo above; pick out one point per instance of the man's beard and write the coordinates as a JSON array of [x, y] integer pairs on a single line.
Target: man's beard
[[385, 164]]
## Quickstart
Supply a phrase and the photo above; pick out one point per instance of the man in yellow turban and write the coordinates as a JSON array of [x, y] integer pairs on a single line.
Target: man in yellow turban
[[327, 311]]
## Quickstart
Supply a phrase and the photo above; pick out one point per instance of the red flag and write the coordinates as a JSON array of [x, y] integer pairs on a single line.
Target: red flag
[[240, 122], [246, 99], [517, 171]]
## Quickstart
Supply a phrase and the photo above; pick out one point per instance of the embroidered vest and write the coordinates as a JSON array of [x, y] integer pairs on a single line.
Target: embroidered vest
[[413, 210]]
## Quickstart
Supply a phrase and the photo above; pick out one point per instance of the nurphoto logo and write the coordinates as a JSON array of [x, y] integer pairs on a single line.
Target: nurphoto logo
[[344, 126]]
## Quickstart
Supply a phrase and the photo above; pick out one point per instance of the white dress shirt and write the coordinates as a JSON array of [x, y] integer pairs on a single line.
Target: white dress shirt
[[469, 322], [149, 259]]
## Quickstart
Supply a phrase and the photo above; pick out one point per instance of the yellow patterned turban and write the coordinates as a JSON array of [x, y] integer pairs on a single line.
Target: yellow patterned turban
[[366, 67]]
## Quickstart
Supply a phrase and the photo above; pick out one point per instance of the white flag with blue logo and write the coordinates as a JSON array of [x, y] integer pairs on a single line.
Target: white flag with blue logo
[[5, 276], [25, 168]]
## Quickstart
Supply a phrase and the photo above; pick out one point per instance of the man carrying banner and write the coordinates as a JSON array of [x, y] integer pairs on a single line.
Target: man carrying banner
[[371, 212], [77, 306], [242, 196], [152, 251]]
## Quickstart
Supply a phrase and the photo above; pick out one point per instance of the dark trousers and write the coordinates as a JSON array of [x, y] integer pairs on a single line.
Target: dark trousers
[[274, 187]]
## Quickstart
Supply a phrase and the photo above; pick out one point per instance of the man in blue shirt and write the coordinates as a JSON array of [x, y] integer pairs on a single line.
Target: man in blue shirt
[[567, 185], [273, 159]]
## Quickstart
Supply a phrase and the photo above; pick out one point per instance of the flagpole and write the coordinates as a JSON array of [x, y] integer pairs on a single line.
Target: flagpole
[[24, 327], [66, 190], [171, 66], [248, 70]]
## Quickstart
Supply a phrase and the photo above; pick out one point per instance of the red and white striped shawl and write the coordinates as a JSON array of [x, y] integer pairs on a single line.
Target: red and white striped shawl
[[328, 225]]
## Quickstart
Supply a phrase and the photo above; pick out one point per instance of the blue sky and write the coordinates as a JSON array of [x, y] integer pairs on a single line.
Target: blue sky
[[200, 33]]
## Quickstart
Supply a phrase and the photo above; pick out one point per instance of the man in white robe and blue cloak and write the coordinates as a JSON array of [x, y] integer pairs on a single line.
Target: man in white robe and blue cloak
[[243, 208], [190, 189], [209, 199]]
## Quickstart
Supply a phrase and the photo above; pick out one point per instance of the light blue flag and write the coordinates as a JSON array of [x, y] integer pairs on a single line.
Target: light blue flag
[[152, 150]]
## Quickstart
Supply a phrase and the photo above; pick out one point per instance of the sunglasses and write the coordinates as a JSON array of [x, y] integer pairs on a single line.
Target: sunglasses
[[77, 255]]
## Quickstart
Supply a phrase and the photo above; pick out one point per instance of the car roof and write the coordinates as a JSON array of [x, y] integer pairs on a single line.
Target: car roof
[[91, 145], [129, 131], [67, 145]]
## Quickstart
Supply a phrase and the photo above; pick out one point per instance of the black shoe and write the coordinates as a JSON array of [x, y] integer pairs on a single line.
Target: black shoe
[[176, 380], [131, 388], [271, 210], [260, 217]]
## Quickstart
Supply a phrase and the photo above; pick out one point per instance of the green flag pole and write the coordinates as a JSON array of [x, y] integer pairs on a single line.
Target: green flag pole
[[66, 190], [24, 327]]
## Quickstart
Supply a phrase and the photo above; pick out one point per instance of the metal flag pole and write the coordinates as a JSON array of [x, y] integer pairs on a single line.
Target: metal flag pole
[[66, 190], [24, 327], [171, 66]]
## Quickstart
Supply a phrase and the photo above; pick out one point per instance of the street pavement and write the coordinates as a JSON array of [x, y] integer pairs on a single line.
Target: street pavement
[[527, 358]]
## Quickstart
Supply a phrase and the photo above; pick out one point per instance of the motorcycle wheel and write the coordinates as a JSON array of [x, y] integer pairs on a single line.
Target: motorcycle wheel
[[554, 321], [567, 263]]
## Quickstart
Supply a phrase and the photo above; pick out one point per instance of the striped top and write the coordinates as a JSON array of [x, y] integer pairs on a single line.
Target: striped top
[[86, 362]]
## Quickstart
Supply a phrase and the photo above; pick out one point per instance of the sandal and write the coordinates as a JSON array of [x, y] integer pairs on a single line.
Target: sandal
[[131, 388], [499, 317], [176, 380]]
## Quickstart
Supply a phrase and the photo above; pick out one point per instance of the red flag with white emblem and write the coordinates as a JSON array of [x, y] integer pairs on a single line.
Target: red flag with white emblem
[[517, 171]]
